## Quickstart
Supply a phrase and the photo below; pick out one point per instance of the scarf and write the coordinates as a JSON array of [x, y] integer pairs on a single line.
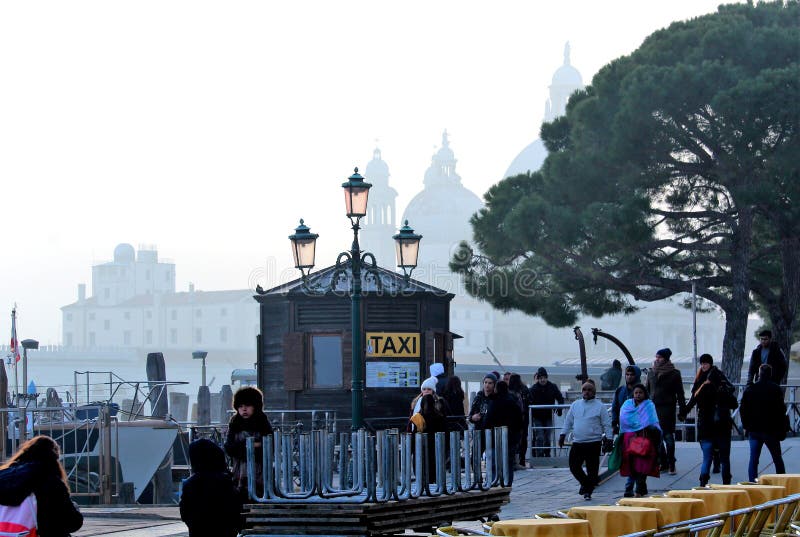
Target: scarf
[[633, 417], [665, 367]]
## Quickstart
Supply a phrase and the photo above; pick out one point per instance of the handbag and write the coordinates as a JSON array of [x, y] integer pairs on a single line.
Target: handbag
[[615, 457], [640, 445]]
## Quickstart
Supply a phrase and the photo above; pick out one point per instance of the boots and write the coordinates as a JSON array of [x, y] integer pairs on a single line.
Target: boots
[[704, 479], [672, 470]]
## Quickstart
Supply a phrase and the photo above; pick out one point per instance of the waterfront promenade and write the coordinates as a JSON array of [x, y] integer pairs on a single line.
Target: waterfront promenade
[[535, 490]]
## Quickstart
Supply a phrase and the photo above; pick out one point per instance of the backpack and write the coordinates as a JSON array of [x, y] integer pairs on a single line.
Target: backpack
[[19, 520]]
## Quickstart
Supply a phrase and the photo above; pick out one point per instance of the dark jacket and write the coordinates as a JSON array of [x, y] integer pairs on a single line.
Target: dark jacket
[[239, 430], [610, 378], [441, 384], [714, 403], [763, 410], [775, 358], [210, 504], [504, 411], [480, 405], [56, 514], [549, 394], [666, 389], [622, 394]]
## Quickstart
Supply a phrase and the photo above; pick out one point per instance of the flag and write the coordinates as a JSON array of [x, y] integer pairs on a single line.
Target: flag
[[14, 340]]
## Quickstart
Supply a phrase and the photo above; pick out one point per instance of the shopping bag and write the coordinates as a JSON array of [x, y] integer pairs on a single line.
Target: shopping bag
[[615, 457], [19, 520]]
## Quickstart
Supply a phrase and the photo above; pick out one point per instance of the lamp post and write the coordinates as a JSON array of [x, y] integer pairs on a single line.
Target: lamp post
[[201, 355], [356, 195], [27, 344]]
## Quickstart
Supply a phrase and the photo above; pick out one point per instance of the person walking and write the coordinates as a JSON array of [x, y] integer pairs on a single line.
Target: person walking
[[522, 395], [248, 421], [764, 419], [590, 424], [543, 392], [610, 379], [641, 435], [767, 352], [210, 505], [712, 393], [665, 386], [504, 411], [633, 376], [35, 469], [428, 387]]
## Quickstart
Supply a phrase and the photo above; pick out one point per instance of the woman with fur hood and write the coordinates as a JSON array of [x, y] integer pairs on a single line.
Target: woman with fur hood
[[249, 421]]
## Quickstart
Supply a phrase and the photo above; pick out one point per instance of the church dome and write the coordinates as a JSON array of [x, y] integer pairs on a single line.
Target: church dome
[[567, 75], [441, 212], [124, 253], [529, 159]]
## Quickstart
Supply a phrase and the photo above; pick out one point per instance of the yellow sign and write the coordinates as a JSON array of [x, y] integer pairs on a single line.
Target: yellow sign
[[393, 344]]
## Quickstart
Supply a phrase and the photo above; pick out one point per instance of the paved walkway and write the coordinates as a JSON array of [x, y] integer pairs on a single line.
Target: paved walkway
[[535, 490]]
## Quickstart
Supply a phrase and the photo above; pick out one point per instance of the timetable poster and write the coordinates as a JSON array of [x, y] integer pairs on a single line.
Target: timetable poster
[[392, 374]]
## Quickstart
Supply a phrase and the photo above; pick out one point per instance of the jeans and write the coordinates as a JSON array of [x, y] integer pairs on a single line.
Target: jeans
[[723, 444], [666, 451], [757, 440], [640, 480], [589, 453], [542, 436]]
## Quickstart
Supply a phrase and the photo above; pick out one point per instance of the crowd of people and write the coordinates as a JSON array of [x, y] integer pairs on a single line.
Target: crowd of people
[[640, 427]]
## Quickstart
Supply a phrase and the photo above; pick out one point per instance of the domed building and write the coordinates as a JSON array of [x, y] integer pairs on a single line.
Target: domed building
[[380, 223], [441, 214], [566, 81]]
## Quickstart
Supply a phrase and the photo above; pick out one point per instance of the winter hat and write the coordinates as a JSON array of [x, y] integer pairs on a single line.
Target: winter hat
[[664, 353], [490, 376], [249, 395], [436, 370], [706, 359], [429, 383], [542, 372]]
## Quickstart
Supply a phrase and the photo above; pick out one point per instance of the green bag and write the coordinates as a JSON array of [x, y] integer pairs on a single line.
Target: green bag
[[615, 457]]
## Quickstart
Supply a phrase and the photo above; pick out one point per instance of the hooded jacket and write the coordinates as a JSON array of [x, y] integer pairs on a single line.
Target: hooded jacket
[[666, 388], [56, 514], [210, 504], [762, 409], [622, 394], [714, 403], [239, 430]]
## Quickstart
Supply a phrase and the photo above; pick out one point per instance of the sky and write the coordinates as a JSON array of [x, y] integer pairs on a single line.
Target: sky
[[208, 129]]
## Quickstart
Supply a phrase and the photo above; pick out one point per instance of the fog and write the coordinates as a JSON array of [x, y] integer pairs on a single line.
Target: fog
[[209, 128]]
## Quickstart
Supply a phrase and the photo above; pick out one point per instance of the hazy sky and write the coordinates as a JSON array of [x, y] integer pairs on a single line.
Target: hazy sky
[[209, 128]]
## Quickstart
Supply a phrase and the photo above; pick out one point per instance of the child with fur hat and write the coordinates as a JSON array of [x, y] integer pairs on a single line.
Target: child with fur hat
[[249, 421]]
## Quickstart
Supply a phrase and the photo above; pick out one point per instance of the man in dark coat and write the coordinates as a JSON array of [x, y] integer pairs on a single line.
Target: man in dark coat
[[763, 414], [504, 411], [767, 352], [543, 392], [666, 389], [210, 505]]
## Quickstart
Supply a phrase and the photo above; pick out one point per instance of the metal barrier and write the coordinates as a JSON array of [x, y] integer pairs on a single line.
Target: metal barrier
[[389, 465], [86, 445]]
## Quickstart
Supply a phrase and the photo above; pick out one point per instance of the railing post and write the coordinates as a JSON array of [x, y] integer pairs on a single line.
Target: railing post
[[106, 488]]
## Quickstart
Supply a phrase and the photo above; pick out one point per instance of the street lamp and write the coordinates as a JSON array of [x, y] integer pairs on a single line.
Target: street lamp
[[27, 344], [201, 355], [356, 195], [407, 250]]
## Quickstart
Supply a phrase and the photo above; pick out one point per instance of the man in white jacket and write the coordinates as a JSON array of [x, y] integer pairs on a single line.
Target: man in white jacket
[[590, 424]]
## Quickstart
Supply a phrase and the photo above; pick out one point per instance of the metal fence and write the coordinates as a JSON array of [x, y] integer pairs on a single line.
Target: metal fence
[[388, 465]]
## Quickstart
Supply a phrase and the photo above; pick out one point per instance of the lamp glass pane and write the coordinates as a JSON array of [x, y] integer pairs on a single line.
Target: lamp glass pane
[[303, 252], [355, 200], [407, 252]]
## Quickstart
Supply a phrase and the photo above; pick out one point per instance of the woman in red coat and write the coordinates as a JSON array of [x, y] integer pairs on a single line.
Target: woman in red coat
[[638, 423]]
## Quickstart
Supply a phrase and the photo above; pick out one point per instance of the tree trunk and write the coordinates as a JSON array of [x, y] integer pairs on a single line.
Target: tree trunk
[[736, 313]]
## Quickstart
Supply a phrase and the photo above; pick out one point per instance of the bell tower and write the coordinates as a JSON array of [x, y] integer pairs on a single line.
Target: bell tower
[[381, 221]]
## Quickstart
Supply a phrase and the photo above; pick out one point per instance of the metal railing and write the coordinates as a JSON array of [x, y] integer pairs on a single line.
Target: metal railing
[[389, 465], [85, 445]]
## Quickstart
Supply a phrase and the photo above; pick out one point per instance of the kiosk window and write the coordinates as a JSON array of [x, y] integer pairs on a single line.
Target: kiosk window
[[326, 361]]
